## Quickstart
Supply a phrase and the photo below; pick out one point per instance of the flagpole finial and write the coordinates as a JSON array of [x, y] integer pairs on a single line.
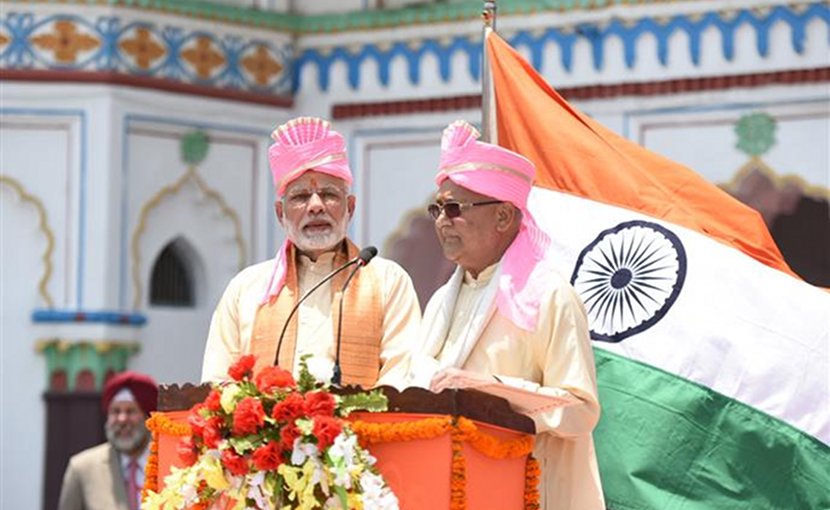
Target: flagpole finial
[[488, 14]]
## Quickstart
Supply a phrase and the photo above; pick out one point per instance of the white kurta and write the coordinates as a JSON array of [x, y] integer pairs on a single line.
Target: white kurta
[[463, 328], [233, 320]]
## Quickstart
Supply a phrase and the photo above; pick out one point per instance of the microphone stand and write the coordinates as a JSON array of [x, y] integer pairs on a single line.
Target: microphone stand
[[303, 298], [366, 254]]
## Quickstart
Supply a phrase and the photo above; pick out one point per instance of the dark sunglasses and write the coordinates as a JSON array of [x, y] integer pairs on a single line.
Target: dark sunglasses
[[454, 209]]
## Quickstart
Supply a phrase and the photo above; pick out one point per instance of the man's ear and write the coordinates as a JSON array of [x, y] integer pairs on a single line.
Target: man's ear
[[506, 215], [278, 210], [351, 202]]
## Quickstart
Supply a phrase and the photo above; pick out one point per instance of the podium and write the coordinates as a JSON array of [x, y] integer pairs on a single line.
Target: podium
[[452, 450]]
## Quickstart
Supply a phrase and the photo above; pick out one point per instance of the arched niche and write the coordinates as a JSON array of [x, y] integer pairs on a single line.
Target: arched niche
[[176, 275]]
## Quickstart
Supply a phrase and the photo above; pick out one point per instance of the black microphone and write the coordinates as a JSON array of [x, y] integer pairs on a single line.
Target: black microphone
[[363, 258], [328, 277]]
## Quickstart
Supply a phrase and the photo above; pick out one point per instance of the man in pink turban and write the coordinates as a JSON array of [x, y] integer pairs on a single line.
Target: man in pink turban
[[380, 309], [506, 323], [110, 476]]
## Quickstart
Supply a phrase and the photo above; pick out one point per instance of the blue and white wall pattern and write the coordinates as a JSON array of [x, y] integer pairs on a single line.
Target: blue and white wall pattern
[[145, 49], [727, 24]]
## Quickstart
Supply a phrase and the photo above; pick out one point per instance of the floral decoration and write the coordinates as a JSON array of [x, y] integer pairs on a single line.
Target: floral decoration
[[270, 442]]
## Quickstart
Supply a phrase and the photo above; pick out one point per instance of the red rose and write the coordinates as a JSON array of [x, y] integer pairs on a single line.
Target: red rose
[[212, 401], [267, 456], [243, 367], [212, 433], [289, 408], [196, 421], [187, 451], [248, 417], [287, 436], [319, 403], [270, 378], [234, 462], [326, 429]]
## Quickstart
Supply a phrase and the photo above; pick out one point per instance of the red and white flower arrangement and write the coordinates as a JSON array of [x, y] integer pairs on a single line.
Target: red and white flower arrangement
[[268, 442]]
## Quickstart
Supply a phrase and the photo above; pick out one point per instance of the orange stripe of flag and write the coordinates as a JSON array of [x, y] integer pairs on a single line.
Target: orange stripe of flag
[[575, 154]]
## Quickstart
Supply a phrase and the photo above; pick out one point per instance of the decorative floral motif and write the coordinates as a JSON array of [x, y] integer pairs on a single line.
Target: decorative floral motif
[[268, 442], [261, 65], [194, 147], [66, 42], [203, 57], [143, 48], [756, 133]]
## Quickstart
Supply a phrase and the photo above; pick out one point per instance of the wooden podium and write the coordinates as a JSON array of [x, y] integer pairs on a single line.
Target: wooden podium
[[452, 450]]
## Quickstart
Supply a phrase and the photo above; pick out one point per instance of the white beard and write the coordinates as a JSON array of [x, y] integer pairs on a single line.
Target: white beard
[[128, 444], [317, 241]]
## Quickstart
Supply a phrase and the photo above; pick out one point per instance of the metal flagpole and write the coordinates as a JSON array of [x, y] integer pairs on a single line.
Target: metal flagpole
[[488, 97]]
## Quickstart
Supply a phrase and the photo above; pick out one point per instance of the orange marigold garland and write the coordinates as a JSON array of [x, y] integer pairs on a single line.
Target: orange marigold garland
[[372, 433], [157, 424], [369, 433], [494, 447], [458, 482], [532, 472], [151, 470]]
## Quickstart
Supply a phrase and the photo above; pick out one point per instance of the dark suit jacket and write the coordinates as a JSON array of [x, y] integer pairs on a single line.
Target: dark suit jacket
[[93, 481]]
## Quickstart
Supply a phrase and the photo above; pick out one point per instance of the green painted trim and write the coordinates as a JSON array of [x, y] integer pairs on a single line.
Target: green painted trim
[[74, 357], [353, 21], [668, 443]]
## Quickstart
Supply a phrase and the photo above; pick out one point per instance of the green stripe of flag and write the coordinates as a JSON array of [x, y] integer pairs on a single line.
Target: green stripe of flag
[[666, 443]]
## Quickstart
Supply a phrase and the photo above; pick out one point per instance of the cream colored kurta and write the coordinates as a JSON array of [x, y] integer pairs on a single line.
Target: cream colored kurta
[[463, 328], [233, 320]]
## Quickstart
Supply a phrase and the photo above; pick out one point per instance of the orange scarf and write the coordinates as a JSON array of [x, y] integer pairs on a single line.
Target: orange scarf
[[362, 326]]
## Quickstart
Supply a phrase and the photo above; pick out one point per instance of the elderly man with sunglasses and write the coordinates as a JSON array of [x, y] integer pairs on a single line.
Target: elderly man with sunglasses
[[505, 317], [380, 309]]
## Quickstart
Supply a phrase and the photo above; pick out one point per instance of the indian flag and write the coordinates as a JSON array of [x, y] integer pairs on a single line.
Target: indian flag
[[712, 356]]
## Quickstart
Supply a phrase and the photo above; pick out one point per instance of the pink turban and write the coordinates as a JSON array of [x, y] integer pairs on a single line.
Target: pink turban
[[307, 143], [143, 388], [504, 175], [300, 145]]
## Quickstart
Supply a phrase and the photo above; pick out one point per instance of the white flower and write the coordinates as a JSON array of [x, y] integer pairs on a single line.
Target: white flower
[[257, 489], [342, 454], [375, 495], [302, 451], [189, 493], [344, 448], [333, 503], [228, 398]]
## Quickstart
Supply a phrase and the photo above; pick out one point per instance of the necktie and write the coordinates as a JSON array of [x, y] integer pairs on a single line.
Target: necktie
[[132, 484]]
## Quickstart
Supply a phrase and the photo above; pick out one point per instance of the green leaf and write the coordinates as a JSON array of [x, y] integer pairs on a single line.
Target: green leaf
[[373, 401], [341, 493], [278, 492], [306, 382], [244, 444], [306, 425]]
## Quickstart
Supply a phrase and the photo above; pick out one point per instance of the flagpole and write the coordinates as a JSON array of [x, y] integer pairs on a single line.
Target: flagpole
[[488, 97]]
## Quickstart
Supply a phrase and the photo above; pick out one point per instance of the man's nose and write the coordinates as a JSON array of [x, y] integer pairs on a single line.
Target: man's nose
[[315, 203], [121, 416], [442, 219]]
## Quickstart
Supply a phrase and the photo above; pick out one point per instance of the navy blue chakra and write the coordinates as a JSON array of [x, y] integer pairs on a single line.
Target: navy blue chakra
[[629, 277]]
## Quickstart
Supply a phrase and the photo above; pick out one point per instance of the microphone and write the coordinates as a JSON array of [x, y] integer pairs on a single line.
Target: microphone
[[328, 277], [363, 258]]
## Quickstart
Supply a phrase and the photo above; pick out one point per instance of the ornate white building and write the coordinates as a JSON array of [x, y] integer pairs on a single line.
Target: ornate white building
[[134, 181]]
